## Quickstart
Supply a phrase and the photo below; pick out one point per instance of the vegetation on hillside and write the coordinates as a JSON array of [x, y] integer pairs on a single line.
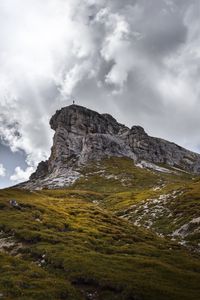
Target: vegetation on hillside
[[76, 243]]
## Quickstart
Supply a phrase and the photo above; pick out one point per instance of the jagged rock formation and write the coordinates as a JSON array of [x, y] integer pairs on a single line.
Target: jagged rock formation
[[83, 135], [160, 151]]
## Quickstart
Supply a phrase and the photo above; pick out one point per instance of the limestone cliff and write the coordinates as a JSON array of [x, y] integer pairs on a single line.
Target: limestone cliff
[[83, 135]]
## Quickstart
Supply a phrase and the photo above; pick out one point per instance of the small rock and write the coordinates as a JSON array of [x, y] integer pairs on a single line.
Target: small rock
[[14, 203]]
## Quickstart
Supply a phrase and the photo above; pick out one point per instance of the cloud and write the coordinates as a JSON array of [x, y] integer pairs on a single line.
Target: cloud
[[138, 60], [21, 175], [116, 46], [2, 171]]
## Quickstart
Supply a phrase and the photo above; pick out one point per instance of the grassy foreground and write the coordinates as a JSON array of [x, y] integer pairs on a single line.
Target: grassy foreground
[[71, 244]]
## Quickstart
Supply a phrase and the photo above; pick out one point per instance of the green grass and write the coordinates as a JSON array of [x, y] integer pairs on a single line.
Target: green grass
[[23, 279], [125, 177], [75, 246], [132, 187]]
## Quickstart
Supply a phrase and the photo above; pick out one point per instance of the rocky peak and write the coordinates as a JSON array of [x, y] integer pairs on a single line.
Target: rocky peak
[[80, 120], [138, 130], [82, 135]]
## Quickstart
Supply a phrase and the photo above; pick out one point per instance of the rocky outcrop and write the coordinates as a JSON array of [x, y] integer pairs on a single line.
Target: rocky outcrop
[[42, 170], [83, 135], [160, 151]]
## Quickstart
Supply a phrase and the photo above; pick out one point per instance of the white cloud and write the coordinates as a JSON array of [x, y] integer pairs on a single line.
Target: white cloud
[[75, 75], [21, 175], [116, 46], [2, 171]]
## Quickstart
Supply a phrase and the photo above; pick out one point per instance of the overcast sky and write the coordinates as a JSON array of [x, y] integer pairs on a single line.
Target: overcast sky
[[136, 59]]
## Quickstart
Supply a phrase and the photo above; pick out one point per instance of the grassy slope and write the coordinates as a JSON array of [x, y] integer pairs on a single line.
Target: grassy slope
[[130, 196], [73, 246]]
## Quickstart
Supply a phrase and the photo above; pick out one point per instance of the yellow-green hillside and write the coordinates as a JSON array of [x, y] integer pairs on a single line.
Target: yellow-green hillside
[[76, 243]]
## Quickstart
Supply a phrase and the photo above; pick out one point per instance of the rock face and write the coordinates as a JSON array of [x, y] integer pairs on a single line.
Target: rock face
[[159, 151], [83, 135]]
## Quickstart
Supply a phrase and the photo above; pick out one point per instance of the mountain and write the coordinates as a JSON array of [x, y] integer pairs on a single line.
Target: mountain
[[83, 135], [113, 214]]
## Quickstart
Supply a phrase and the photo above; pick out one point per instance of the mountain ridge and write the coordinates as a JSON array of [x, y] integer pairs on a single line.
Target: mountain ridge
[[83, 135]]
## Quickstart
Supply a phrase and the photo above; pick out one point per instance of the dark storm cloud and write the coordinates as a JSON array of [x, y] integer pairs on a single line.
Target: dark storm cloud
[[138, 60]]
